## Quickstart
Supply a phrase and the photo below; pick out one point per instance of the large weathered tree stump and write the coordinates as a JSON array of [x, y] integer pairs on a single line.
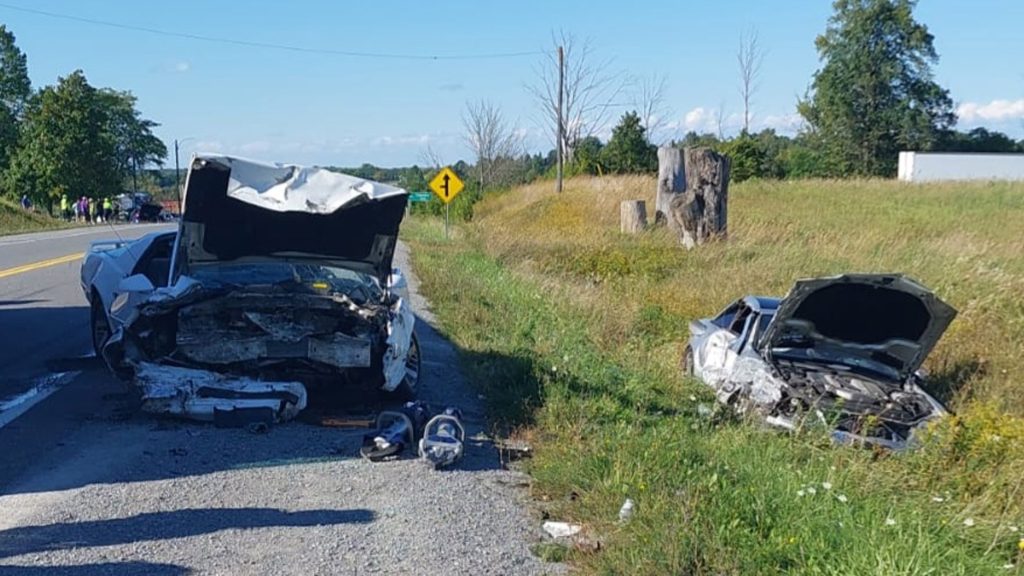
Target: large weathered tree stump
[[633, 216], [671, 181], [701, 213]]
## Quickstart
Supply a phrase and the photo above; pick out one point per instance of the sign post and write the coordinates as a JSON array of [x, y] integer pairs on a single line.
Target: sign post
[[446, 185]]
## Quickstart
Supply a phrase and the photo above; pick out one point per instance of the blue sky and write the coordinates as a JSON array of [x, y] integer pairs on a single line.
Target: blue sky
[[328, 109]]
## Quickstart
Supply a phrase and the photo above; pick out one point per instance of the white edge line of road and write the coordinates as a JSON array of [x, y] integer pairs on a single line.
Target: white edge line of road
[[57, 234], [12, 408]]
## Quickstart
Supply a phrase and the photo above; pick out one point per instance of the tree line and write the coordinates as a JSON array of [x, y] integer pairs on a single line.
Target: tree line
[[873, 95], [68, 139]]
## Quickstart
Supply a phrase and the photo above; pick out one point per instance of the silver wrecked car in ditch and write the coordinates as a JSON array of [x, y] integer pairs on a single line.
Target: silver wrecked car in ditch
[[844, 350], [278, 277]]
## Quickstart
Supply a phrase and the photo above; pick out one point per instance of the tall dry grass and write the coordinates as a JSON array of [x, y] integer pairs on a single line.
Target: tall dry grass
[[574, 332]]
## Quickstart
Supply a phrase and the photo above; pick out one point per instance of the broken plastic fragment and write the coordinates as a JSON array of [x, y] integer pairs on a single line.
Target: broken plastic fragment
[[561, 529]]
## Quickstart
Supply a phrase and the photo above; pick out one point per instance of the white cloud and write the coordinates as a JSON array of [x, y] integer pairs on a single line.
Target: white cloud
[[182, 67], [697, 119], [401, 140], [256, 147], [994, 111], [786, 123], [208, 146]]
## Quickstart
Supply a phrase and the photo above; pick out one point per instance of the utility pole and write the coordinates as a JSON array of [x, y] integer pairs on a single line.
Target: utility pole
[[177, 176], [561, 123]]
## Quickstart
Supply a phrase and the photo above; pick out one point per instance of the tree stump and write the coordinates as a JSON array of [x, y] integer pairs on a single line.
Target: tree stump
[[633, 216], [701, 213], [671, 181]]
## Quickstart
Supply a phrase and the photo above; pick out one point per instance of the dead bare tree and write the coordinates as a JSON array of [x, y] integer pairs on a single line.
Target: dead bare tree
[[750, 58], [649, 101], [720, 120], [590, 92], [492, 138], [430, 157]]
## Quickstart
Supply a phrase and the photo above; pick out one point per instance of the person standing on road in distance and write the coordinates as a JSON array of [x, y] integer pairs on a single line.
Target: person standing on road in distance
[[64, 215], [107, 208], [25, 202]]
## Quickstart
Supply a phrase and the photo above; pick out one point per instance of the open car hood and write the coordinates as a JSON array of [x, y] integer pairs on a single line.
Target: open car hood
[[884, 324], [239, 209]]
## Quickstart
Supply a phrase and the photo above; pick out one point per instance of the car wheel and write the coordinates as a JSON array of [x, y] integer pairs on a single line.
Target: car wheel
[[100, 325], [688, 362], [406, 390]]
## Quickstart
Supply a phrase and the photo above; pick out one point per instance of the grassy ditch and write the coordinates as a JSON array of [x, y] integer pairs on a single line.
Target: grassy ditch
[[14, 219], [573, 333]]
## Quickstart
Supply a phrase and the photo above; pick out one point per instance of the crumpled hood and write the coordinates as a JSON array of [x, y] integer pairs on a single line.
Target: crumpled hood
[[237, 208], [883, 323]]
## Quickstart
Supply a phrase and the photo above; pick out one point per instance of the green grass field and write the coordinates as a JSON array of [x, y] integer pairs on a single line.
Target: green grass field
[[573, 332], [14, 219]]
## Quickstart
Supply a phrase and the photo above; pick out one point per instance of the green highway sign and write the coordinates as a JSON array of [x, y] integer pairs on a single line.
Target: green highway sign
[[419, 197]]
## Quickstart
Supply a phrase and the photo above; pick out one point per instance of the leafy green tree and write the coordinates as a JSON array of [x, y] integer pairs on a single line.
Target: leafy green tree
[[695, 140], [748, 158], [587, 158], [979, 140], [15, 90], [65, 146], [628, 150], [874, 95], [135, 145], [412, 180]]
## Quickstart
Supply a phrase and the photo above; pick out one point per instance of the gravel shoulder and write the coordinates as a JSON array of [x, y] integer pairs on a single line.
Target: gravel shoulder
[[146, 496]]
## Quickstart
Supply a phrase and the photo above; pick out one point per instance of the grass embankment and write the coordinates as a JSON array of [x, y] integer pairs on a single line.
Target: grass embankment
[[14, 219], [574, 333]]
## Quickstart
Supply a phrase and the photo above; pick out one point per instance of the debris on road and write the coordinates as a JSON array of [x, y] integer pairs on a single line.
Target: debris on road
[[212, 397]]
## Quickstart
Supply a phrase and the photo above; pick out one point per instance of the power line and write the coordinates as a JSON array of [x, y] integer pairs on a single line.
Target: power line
[[268, 45]]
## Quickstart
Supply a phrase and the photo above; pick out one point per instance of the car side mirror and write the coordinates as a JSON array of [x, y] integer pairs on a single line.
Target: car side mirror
[[136, 283]]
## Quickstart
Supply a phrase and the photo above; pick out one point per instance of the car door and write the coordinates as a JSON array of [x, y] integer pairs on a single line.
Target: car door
[[719, 350]]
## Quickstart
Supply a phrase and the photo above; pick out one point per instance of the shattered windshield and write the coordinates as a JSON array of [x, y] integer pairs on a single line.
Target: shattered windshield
[[302, 277]]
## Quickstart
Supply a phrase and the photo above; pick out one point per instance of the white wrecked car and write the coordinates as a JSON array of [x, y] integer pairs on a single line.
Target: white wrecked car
[[277, 277], [844, 349]]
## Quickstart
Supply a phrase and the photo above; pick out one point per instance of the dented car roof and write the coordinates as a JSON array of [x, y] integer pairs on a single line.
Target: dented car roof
[[242, 209]]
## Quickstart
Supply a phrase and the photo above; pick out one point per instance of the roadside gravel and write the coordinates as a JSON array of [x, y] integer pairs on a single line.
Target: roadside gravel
[[142, 496]]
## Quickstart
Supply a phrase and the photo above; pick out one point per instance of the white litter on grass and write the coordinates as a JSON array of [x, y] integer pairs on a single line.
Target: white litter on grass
[[561, 529], [826, 485], [890, 522], [968, 522], [626, 512], [842, 498]]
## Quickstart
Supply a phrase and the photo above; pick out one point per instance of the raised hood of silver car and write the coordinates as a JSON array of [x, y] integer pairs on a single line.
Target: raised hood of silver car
[[885, 324], [237, 209]]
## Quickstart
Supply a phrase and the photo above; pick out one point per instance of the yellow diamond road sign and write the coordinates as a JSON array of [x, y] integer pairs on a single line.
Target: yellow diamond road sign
[[446, 185]]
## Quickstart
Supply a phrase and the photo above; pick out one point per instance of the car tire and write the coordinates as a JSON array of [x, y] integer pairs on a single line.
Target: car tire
[[99, 325], [406, 390], [688, 369]]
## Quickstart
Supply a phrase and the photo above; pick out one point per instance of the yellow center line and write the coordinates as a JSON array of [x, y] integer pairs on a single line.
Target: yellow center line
[[41, 264]]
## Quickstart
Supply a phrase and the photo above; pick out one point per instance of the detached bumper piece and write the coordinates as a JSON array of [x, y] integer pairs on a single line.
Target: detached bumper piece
[[222, 399]]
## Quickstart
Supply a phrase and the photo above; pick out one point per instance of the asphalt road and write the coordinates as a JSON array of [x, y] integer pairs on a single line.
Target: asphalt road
[[88, 485]]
